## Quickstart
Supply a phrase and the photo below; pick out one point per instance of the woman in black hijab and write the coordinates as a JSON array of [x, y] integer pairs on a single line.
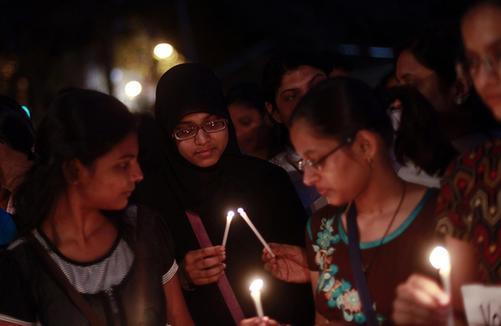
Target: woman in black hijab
[[194, 173]]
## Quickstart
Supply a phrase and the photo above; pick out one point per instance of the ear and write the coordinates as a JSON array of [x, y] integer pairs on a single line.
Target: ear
[[366, 145], [73, 171], [462, 85], [273, 112]]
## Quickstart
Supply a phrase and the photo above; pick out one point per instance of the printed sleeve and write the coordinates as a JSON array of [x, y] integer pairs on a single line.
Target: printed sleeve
[[468, 198], [16, 302]]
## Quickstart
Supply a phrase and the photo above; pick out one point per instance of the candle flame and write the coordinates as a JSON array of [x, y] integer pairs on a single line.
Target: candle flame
[[439, 258], [230, 215], [240, 211], [256, 285]]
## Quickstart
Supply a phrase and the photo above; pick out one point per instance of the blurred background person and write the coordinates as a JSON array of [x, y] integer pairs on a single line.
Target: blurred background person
[[287, 77], [468, 206], [256, 134], [16, 157]]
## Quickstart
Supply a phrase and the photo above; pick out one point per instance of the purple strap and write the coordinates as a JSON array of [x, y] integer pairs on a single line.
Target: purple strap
[[223, 283]]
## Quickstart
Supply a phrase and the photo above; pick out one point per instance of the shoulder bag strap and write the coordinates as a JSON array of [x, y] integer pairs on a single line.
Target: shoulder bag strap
[[63, 282]]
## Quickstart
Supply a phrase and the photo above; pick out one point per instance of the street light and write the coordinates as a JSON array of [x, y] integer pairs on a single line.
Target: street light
[[133, 89], [163, 51]]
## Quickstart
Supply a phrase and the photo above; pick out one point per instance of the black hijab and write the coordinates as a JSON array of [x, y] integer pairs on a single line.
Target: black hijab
[[173, 185], [184, 89]]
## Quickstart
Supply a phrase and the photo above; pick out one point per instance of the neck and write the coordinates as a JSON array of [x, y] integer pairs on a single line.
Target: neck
[[70, 220], [382, 192], [13, 171]]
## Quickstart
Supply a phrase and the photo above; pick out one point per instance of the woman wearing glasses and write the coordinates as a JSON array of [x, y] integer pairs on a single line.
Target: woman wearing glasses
[[468, 210], [344, 135], [200, 177]]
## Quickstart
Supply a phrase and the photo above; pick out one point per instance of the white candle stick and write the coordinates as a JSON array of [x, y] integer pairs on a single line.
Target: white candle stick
[[229, 217], [255, 291], [253, 228], [439, 259]]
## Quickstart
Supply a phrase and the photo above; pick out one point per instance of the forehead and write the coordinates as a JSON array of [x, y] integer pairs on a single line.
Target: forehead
[[241, 109], [197, 117], [127, 147], [299, 76], [306, 141], [482, 27]]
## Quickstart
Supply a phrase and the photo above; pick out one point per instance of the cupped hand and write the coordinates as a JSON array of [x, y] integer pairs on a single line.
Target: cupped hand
[[420, 301]]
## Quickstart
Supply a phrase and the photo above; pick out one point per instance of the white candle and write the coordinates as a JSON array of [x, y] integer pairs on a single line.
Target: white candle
[[255, 291], [253, 228], [440, 259], [229, 217]]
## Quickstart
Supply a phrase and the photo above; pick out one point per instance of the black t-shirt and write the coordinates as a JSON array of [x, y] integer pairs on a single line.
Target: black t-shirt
[[125, 286]]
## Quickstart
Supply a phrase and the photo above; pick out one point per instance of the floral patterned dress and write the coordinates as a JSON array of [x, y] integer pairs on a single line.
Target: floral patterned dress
[[388, 263]]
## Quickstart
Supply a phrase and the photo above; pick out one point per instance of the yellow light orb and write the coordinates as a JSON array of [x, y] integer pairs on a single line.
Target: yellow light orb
[[133, 89], [163, 51], [439, 258], [256, 285]]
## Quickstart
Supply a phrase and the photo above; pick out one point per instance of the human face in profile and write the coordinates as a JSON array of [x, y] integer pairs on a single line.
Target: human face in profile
[[108, 182]]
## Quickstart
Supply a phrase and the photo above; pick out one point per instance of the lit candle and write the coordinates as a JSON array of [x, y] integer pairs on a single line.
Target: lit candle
[[439, 259], [253, 228], [229, 217], [255, 291]]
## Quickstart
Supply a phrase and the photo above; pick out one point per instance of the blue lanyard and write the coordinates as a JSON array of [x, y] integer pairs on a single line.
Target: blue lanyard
[[356, 267]]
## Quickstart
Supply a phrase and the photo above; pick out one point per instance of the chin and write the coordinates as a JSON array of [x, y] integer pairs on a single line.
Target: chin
[[206, 163]]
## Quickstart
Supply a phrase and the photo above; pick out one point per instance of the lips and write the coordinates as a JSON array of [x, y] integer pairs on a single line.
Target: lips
[[206, 152]]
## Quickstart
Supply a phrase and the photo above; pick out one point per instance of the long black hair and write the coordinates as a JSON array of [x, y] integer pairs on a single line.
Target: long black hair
[[340, 107], [80, 125]]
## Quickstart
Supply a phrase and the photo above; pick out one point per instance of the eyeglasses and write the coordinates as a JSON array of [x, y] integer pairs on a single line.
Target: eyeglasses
[[491, 63], [317, 164], [191, 130]]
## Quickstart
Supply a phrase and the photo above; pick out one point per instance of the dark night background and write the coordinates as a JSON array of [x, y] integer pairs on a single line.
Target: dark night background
[[46, 46]]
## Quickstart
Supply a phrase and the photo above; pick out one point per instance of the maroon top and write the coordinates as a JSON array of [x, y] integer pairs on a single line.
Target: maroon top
[[388, 263]]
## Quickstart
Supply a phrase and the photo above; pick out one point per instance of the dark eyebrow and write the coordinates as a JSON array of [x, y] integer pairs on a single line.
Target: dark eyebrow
[[289, 90], [318, 75], [127, 156]]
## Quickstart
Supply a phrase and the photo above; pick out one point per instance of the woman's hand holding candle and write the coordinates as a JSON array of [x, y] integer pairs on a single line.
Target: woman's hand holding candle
[[205, 266], [289, 263], [421, 301]]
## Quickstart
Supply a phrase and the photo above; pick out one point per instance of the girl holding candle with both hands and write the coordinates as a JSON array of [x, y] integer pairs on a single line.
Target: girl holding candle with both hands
[[468, 209], [195, 174], [341, 130]]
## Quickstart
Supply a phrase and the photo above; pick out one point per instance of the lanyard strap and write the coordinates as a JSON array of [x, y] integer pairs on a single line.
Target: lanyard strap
[[224, 285], [356, 267]]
